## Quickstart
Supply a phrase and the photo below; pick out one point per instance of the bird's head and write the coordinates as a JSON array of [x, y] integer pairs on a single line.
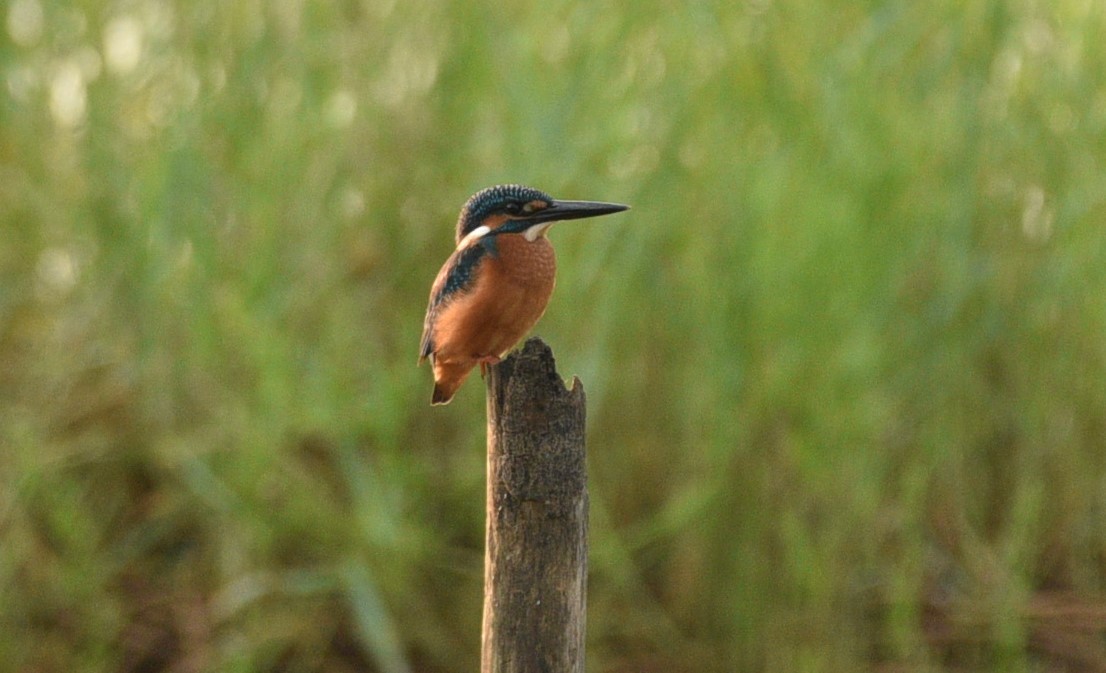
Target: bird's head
[[514, 209]]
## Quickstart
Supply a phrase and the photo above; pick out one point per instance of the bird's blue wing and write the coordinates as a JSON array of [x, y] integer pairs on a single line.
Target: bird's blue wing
[[456, 276]]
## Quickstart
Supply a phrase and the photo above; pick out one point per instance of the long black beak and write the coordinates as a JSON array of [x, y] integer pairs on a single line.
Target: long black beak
[[574, 210]]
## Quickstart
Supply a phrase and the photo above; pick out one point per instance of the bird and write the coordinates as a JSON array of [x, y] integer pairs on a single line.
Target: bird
[[497, 282]]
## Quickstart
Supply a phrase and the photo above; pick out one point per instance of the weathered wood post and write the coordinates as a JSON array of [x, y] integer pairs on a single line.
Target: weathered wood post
[[535, 564]]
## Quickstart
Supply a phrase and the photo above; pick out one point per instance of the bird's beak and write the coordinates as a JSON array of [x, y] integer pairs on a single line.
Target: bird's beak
[[574, 210]]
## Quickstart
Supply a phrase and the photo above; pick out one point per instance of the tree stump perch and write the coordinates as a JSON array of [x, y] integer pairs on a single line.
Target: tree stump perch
[[535, 565]]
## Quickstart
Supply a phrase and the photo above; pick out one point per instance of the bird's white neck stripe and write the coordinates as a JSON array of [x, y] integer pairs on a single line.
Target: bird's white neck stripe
[[472, 236]]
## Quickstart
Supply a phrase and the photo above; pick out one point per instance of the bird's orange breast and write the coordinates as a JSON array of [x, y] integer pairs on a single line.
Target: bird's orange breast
[[509, 295]]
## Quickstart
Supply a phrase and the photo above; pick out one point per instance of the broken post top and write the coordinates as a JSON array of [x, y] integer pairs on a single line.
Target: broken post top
[[529, 376], [535, 425]]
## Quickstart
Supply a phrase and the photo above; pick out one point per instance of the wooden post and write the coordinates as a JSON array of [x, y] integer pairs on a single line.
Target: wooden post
[[535, 564]]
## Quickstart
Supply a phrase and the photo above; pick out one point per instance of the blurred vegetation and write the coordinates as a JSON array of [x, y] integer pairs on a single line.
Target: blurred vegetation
[[845, 359]]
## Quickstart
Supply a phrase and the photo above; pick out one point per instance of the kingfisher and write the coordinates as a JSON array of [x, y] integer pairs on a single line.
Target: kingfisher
[[496, 284]]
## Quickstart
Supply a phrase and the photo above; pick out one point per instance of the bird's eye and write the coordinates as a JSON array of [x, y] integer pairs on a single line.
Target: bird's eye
[[513, 208]]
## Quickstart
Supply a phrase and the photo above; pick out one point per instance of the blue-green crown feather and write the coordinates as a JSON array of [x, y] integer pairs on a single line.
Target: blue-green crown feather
[[493, 200]]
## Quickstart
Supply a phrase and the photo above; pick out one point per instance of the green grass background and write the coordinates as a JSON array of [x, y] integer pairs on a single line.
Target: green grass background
[[845, 358]]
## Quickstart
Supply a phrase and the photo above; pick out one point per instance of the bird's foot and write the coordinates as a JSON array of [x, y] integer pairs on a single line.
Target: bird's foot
[[485, 361]]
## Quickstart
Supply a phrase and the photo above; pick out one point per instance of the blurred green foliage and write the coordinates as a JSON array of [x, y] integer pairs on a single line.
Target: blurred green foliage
[[845, 359]]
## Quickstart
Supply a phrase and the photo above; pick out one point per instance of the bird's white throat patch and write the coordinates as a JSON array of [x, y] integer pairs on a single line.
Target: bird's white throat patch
[[537, 230]]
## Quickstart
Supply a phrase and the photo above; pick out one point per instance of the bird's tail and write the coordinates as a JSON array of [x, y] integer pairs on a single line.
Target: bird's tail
[[442, 394], [447, 379]]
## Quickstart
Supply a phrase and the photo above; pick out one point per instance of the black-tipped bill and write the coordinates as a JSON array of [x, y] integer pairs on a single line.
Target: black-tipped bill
[[574, 210]]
